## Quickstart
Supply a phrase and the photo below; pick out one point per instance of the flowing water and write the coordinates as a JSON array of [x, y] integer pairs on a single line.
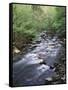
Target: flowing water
[[34, 67]]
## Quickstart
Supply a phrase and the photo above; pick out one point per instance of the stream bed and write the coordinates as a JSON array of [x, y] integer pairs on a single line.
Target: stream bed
[[38, 66]]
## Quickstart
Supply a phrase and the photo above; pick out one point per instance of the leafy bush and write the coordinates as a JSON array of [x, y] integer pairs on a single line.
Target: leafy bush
[[30, 20]]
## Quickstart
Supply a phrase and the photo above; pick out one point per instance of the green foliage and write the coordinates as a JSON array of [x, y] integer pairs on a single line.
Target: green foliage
[[30, 20], [60, 22]]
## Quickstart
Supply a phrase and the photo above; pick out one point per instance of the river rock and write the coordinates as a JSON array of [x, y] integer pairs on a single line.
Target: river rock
[[49, 79], [38, 41], [16, 50], [33, 46]]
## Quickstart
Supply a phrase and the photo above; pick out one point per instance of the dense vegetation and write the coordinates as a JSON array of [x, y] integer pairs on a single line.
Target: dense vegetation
[[30, 20]]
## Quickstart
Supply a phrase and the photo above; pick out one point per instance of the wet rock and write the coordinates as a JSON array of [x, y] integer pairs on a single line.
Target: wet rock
[[33, 46], [43, 36], [43, 68], [38, 41], [41, 55], [16, 50], [34, 42], [63, 78], [54, 39], [49, 79], [40, 61], [52, 67]]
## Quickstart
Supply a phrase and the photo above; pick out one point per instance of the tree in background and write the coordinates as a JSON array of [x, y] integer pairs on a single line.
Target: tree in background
[[30, 20]]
